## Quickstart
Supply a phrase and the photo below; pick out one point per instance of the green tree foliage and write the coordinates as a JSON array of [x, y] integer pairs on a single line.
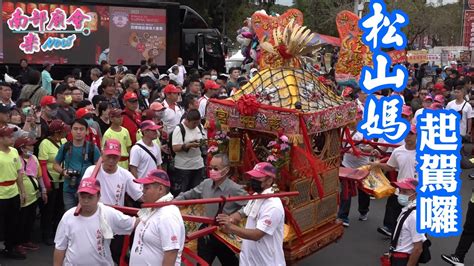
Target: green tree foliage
[[441, 24], [320, 15]]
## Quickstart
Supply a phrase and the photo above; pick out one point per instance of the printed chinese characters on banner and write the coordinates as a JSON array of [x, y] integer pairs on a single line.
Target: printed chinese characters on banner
[[56, 22], [382, 116], [438, 147]]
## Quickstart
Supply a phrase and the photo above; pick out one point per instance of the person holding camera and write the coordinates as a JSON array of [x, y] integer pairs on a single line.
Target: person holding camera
[[73, 158], [188, 162]]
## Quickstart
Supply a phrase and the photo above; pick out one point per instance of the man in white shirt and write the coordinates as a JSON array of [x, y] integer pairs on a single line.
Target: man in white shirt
[[115, 182], [212, 89], [427, 101], [159, 238], [188, 161], [182, 71], [173, 112], [403, 160], [262, 237], [409, 245], [145, 155], [85, 239], [96, 81], [464, 109]]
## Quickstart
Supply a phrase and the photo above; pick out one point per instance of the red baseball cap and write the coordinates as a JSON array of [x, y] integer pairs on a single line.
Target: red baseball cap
[[211, 85], [155, 176], [120, 61], [170, 88], [156, 106], [56, 126], [24, 141], [439, 98], [89, 185], [81, 112], [112, 147], [436, 106], [439, 86], [149, 125], [6, 131], [407, 183], [428, 98], [148, 114], [48, 101], [262, 170], [130, 96]]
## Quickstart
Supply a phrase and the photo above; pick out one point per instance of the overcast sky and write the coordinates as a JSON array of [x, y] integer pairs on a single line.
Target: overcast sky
[[285, 2]]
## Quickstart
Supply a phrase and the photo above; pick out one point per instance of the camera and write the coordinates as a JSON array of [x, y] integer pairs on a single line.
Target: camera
[[73, 175]]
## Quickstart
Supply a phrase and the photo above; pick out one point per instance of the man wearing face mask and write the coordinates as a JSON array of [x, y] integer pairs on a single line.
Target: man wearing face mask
[[409, 245], [49, 110], [218, 184], [262, 237], [64, 100]]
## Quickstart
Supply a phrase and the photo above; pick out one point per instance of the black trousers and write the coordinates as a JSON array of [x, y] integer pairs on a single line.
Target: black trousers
[[392, 211], [10, 214], [184, 180], [116, 248], [210, 247], [52, 212], [467, 236], [27, 222]]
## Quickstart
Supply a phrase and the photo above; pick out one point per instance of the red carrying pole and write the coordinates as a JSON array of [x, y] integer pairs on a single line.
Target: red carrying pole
[[219, 200]]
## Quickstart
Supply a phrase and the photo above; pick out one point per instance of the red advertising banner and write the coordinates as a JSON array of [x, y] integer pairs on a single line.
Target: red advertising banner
[[398, 56], [468, 38]]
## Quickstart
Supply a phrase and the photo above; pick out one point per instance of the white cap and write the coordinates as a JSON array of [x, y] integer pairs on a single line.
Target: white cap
[[163, 76], [253, 70]]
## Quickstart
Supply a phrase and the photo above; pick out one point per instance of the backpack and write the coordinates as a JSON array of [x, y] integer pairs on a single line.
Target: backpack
[[90, 154], [183, 134]]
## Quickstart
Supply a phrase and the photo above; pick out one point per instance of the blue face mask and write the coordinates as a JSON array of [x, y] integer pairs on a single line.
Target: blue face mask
[[145, 93], [403, 199]]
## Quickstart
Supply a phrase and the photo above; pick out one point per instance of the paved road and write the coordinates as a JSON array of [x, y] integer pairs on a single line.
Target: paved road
[[361, 245]]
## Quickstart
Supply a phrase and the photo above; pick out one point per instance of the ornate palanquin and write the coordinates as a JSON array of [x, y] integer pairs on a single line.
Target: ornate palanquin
[[294, 103]]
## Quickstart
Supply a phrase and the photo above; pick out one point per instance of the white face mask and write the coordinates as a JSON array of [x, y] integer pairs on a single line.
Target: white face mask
[[213, 77]]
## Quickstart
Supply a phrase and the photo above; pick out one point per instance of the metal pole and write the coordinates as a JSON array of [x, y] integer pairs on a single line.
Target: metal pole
[[356, 7]]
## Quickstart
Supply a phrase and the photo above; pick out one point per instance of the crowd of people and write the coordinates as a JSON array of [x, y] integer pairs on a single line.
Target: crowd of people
[[147, 130], [451, 89]]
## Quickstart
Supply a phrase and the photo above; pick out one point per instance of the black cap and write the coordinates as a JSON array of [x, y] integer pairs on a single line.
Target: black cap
[[4, 109]]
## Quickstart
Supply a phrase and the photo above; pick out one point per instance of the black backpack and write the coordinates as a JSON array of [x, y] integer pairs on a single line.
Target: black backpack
[[90, 152], [183, 134]]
